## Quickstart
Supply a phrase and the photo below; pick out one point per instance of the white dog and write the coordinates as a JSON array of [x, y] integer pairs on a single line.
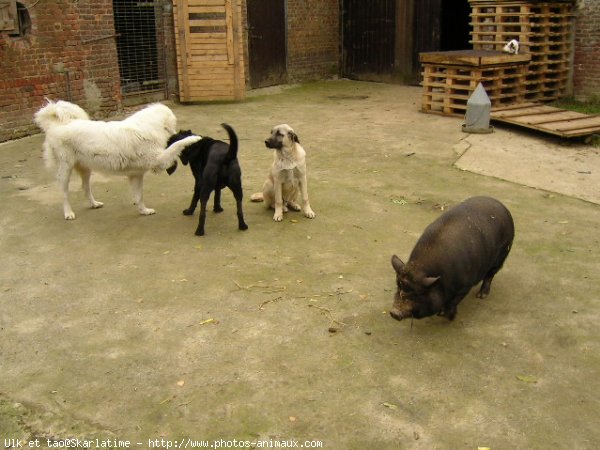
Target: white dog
[[287, 177], [511, 47], [130, 147]]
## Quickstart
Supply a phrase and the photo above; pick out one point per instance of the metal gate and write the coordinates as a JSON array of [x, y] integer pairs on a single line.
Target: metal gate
[[368, 30], [266, 42], [138, 24]]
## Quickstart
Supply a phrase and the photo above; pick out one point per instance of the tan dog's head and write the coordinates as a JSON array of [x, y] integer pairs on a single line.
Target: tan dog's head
[[282, 136]]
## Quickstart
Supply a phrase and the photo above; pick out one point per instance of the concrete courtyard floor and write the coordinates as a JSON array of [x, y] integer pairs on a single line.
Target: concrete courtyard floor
[[121, 327]]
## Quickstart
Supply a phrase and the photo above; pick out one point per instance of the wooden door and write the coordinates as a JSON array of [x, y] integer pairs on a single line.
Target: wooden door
[[427, 30], [210, 61], [368, 29], [266, 42]]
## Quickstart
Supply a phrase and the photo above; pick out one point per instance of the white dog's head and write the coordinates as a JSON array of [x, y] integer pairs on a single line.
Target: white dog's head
[[156, 118], [512, 47], [58, 113], [282, 136]]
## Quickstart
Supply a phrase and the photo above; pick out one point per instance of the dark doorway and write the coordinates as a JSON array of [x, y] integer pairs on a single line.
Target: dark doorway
[[455, 26], [135, 26], [267, 53], [368, 39], [439, 25]]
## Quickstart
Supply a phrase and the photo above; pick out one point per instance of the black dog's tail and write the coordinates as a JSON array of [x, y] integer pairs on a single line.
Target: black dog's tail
[[233, 143]]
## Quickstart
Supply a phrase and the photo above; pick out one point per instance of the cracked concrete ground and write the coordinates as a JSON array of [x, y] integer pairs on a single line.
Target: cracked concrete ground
[[118, 326]]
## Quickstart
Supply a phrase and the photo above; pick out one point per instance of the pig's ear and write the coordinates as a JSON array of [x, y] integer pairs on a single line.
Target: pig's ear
[[397, 264], [429, 281]]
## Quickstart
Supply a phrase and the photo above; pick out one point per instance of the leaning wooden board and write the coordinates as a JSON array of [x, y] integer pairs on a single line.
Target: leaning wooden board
[[548, 119]]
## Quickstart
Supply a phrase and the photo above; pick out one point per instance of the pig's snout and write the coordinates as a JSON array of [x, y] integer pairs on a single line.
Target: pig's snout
[[402, 307], [398, 315]]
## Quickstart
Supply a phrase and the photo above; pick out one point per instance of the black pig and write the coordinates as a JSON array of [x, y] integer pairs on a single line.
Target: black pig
[[465, 245]]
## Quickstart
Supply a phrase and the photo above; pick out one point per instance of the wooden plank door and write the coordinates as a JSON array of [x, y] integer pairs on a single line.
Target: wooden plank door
[[210, 61], [368, 40], [266, 42], [427, 30]]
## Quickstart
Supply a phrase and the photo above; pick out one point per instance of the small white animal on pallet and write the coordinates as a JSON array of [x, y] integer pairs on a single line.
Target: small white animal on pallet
[[512, 47]]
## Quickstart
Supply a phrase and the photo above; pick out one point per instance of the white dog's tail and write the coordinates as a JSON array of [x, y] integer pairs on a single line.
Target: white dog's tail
[[58, 113], [168, 157]]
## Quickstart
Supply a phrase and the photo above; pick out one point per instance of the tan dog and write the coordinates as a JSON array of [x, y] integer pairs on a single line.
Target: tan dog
[[287, 177]]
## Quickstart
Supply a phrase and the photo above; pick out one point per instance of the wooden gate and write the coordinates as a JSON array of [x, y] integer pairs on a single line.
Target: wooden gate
[[266, 42], [368, 30], [427, 30], [210, 61]]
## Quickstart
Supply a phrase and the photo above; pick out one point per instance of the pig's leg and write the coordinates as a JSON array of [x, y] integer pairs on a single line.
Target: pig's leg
[[449, 310], [487, 282], [485, 285]]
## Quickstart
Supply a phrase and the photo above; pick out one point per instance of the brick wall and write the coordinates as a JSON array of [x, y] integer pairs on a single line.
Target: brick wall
[[586, 64], [313, 37], [69, 53]]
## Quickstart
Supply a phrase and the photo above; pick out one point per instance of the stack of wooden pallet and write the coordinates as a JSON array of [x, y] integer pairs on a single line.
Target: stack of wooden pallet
[[449, 78], [543, 30]]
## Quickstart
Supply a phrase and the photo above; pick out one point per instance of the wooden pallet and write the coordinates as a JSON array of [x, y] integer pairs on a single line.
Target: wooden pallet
[[547, 119], [543, 29], [449, 79]]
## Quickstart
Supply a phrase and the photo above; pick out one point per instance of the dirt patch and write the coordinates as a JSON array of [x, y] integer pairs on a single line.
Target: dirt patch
[[122, 326]]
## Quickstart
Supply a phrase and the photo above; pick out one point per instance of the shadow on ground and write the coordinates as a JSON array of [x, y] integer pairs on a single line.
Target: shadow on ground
[[118, 326]]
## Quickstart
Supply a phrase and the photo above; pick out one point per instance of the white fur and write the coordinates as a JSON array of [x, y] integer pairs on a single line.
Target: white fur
[[131, 147], [512, 47]]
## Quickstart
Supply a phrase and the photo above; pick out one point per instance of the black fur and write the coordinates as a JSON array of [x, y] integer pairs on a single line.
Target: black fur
[[215, 166]]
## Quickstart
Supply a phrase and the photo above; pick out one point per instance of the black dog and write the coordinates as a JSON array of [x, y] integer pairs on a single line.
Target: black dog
[[215, 166]]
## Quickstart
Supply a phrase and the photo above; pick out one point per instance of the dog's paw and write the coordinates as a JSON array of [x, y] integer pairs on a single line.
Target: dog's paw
[[310, 214], [199, 232], [188, 212], [294, 206], [278, 217], [218, 209], [147, 211], [70, 215], [243, 227], [96, 204]]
